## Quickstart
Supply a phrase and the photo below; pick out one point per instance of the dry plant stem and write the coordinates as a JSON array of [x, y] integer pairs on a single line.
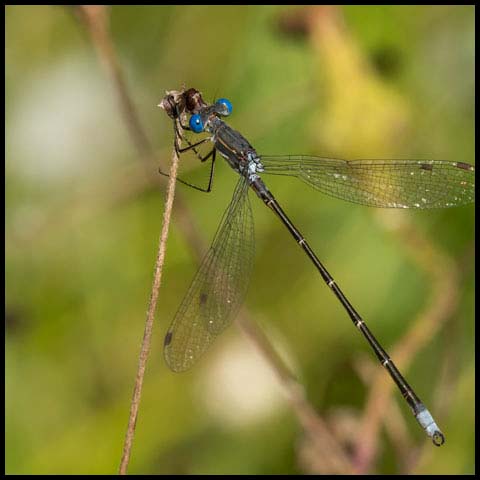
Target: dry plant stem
[[441, 305], [95, 20], [150, 316]]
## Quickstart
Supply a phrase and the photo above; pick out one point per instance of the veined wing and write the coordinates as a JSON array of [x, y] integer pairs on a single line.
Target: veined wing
[[382, 183], [218, 288]]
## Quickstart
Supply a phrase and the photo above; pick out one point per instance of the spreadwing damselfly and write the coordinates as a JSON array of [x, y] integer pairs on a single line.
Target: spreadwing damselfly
[[220, 284]]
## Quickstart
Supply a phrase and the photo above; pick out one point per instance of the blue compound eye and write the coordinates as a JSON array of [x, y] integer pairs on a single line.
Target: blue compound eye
[[225, 105], [196, 123]]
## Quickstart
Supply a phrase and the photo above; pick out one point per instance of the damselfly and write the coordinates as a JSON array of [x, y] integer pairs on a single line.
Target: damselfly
[[220, 284]]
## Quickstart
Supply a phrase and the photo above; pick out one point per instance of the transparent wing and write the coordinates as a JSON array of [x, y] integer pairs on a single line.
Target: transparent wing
[[218, 288], [382, 183]]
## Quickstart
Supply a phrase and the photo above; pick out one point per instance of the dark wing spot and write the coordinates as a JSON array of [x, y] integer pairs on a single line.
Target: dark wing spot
[[203, 298], [168, 339], [426, 166], [464, 166]]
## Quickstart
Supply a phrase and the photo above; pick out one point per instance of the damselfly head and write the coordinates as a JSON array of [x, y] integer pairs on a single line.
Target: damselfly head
[[179, 102]]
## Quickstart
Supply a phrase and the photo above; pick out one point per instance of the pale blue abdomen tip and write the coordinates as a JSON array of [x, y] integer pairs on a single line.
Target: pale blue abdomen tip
[[427, 422]]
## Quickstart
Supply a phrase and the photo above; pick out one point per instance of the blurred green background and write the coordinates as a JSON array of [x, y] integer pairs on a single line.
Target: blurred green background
[[83, 216]]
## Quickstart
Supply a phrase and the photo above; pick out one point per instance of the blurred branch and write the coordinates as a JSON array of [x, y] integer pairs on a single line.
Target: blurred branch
[[450, 370], [319, 441], [95, 19], [441, 305]]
